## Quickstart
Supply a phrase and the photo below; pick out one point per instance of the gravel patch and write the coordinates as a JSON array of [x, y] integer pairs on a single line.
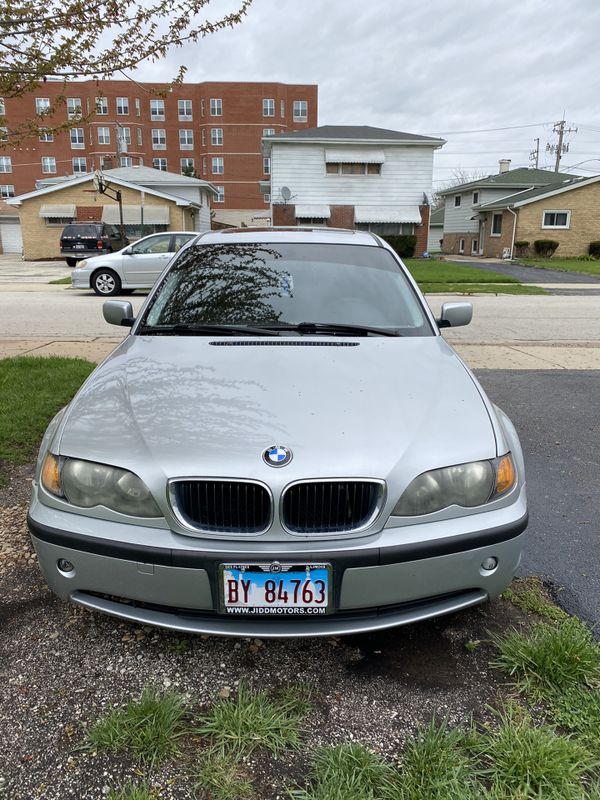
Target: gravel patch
[[62, 668]]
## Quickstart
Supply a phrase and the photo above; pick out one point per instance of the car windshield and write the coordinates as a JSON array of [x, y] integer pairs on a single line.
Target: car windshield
[[287, 284], [81, 230]]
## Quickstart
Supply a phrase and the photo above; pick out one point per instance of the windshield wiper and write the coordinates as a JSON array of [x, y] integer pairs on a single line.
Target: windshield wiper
[[335, 327], [204, 330]]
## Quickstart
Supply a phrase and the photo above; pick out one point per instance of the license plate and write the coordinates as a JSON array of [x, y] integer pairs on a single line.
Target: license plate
[[275, 589], [78, 246]]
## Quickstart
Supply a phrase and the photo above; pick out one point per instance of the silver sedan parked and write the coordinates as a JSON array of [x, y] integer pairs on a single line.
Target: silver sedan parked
[[293, 450], [136, 266]]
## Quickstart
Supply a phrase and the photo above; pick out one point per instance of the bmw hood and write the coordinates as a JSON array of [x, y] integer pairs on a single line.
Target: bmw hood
[[166, 406]]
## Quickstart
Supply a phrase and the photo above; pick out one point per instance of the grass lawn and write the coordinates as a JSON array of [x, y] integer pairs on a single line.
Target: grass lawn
[[440, 276], [63, 280], [32, 390], [588, 267]]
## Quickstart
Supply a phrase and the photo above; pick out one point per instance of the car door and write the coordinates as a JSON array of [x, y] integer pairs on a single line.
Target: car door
[[146, 259]]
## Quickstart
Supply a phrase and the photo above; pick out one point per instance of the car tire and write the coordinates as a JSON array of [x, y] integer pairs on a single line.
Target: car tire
[[71, 262], [106, 283]]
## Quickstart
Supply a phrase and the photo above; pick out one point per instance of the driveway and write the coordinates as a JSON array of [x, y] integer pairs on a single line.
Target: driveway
[[569, 281]]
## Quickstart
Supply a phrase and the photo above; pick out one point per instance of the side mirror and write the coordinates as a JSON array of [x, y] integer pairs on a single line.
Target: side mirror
[[126, 251], [118, 312], [455, 314]]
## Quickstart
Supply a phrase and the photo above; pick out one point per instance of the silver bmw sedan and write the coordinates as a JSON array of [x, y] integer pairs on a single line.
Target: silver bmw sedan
[[283, 445]]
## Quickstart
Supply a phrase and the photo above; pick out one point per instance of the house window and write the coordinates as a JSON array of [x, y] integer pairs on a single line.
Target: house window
[[475, 198], [184, 110], [267, 198], [282, 108], [48, 165], [138, 135], [220, 196], [138, 108], [216, 137], [353, 169], [77, 138], [461, 245], [556, 219], [45, 136], [160, 163], [186, 165], [496, 224], [101, 106], [125, 135], [186, 139], [268, 131], [267, 166], [202, 108], [103, 135], [204, 166], [218, 166], [203, 137], [216, 107], [159, 139], [7, 190], [42, 105], [268, 107], [300, 110], [61, 221], [5, 164], [157, 109], [79, 166], [125, 161], [457, 200], [2, 107], [4, 135], [73, 107], [122, 106], [474, 247]]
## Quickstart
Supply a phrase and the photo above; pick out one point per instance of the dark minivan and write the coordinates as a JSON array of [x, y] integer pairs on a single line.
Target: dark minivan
[[83, 239]]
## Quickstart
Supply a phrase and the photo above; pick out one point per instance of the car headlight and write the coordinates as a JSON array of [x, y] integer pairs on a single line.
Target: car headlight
[[81, 264], [466, 485], [87, 484]]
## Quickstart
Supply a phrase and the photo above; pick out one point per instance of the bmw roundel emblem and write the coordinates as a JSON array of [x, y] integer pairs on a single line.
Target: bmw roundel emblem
[[277, 456]]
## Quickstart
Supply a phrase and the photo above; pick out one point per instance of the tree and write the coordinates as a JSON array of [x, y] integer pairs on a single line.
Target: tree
[[459, 176], [189, 172], [70, 39]]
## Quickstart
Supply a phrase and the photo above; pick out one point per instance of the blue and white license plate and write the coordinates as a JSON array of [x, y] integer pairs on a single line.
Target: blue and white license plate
[[274, 589]]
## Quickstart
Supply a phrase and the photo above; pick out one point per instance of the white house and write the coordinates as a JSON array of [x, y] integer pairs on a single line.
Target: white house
[[349, 176]]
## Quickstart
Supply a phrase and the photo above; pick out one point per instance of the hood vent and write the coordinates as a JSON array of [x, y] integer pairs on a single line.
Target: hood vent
[[284, 343]]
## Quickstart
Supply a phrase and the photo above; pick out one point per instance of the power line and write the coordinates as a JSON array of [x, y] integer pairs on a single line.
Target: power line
[[491, 130]]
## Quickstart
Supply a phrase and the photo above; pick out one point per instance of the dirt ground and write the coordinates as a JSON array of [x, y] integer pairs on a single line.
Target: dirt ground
[[62, 668]]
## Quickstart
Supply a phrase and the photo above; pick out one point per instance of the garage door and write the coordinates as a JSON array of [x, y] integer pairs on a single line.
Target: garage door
[[11, 238]]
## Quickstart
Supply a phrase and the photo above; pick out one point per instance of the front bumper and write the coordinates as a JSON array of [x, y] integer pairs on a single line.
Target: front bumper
[[375, 587]]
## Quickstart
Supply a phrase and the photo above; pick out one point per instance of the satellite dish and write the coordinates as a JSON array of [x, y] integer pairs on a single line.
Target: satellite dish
[[285, 193]]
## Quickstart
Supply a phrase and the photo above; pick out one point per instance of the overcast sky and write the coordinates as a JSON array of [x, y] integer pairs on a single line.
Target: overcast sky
[[435, 67]]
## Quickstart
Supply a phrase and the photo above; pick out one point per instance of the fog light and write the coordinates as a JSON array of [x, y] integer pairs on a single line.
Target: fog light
[[489, 564], [64, 565]]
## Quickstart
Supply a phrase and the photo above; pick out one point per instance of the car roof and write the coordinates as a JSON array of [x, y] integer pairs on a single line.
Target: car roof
[[315, 235]]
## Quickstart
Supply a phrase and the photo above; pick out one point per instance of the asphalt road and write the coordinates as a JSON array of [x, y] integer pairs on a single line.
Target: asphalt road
[[557, 416], [540, 275]]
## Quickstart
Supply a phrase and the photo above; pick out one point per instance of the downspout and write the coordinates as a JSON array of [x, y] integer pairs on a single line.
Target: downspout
[[512, 244], [182, 218]]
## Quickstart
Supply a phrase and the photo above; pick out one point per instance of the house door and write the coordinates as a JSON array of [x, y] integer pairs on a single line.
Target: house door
[[481, 232]]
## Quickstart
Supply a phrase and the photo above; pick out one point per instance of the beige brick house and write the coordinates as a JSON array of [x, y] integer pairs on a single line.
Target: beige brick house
[[44, 212], [566, 211]]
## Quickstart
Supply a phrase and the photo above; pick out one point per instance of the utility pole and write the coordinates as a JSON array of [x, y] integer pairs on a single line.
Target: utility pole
[[560, 149], [534, 156]]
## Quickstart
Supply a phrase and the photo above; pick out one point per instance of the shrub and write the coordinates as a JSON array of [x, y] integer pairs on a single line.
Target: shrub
[[594, 249], [404, 245], [545, 247], [521, 248]]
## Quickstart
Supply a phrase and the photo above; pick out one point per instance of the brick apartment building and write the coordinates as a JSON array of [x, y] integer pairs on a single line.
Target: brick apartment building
[[214, 128]]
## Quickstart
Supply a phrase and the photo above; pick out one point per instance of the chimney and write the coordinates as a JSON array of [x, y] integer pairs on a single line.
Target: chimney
[[504, 165]]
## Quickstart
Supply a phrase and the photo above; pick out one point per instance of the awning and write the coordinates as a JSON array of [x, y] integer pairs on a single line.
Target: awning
[[58, 211], [387, 214], [312, 211], [132, 215], [354, 155]]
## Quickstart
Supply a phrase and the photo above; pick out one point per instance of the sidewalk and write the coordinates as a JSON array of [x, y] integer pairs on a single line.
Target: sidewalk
[[502, 355]]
